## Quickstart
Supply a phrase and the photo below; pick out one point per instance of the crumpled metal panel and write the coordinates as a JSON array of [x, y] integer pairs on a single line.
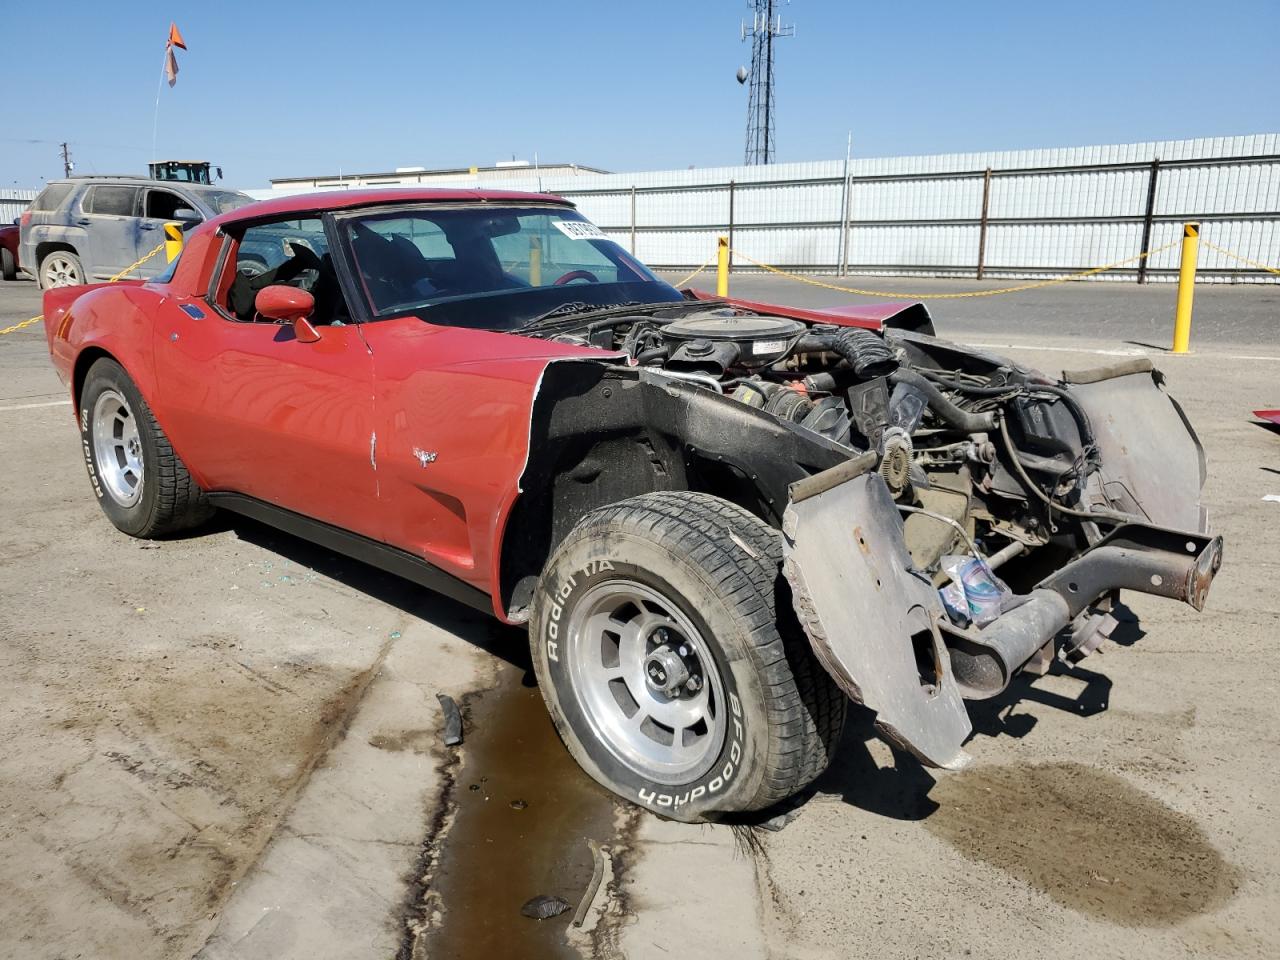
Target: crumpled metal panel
[[848, 567], [1148, 448]]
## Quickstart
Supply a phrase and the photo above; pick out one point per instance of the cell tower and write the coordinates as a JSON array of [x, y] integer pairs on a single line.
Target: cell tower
[[765, 26]]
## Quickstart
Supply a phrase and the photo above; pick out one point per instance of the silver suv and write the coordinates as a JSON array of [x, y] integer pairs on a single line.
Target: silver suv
[[87, 229]]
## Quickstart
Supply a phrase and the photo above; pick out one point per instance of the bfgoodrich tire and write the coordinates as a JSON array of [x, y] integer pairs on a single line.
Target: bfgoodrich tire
[[141, 484], [672, 664]]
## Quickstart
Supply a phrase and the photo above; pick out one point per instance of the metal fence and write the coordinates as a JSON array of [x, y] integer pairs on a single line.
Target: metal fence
[[13, 202], [1032, 214], [1017, 214]]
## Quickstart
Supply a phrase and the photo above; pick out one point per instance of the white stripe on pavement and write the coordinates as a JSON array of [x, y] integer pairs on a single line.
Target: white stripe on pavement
[[33, 406]]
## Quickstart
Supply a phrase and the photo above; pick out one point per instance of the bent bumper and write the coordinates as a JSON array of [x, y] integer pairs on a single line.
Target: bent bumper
[[879, 628]]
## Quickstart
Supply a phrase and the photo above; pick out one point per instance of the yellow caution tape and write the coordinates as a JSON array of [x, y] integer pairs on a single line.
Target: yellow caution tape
[[955, 296], [129, 269]]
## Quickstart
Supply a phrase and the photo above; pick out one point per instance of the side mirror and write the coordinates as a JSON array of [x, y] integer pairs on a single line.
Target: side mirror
[[186, 215], [288, 305]]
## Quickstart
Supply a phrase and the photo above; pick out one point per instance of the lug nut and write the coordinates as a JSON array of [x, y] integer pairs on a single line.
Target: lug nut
[[694, 684], [683, 651]]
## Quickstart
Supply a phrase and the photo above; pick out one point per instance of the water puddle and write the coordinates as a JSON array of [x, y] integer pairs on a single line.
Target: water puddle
[[522, 811], [1087, 839]]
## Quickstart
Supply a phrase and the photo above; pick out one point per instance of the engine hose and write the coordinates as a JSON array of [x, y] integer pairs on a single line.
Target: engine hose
[[977, 391], [1033, 487], [867, 353], [1077, 411], [944, 408], [648, 356]]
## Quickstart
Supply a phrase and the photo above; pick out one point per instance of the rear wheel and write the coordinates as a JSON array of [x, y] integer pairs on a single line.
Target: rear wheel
[[62, 268], [672, 664], [142, 485], [8, 266]]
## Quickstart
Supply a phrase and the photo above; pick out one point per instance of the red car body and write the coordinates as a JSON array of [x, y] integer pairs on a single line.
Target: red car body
[[9, 236], [342, 429]]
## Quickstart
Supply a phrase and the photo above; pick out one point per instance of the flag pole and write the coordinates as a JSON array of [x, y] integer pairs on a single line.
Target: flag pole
[[155, 116]]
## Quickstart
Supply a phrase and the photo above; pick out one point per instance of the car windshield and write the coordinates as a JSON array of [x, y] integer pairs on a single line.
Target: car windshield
[[491, 267], [224, 201]]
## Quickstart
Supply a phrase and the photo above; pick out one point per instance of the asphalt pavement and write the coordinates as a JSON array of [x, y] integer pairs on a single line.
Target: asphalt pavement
[[1236, 316], [228, 744]]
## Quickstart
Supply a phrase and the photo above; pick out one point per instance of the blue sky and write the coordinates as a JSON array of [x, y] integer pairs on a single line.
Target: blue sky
[[273, 89]]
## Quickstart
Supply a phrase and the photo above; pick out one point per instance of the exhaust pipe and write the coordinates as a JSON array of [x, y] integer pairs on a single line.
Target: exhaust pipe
[[1154, 560]]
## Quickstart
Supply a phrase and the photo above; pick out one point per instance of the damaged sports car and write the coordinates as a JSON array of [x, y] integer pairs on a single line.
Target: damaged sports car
[[720, 520]]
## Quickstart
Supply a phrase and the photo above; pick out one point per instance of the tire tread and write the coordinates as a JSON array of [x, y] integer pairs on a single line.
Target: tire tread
[[179, 504], [742, 556]]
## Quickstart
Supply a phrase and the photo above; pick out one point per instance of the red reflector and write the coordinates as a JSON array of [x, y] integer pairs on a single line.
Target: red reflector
[[26, 218]]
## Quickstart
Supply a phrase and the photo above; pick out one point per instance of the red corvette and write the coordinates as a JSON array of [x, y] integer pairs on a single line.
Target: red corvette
[[721, 520]]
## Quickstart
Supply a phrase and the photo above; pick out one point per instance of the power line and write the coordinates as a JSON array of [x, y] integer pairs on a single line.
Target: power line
[[765, 26]]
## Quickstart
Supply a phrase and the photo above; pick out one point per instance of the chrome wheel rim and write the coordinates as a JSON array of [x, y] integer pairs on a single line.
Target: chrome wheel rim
[[117, 448], [645, 681], [60, 272]]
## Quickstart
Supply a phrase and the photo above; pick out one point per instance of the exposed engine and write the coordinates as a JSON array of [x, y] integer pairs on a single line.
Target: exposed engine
[[973, 448], [1014, 507]]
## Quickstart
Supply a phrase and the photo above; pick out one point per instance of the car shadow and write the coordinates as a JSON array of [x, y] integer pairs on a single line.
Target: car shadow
[[480, 630], [897, 792], [901, 791]]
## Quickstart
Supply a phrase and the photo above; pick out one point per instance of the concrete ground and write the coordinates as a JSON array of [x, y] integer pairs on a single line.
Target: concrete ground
[[227, 745]]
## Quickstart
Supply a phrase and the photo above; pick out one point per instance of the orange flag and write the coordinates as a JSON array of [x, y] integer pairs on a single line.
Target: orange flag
[[170, 58]]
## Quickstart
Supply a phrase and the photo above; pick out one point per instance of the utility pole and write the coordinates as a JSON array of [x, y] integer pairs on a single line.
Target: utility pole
[[765, 25], [67, 165]]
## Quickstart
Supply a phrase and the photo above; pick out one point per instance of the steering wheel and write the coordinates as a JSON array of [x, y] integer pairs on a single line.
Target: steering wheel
[[573, 275]]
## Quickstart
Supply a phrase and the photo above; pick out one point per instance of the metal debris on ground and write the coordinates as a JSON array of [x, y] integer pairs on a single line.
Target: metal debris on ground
[[774, 824], [597, 874], [543, 907], [452, 720], [519, 804]]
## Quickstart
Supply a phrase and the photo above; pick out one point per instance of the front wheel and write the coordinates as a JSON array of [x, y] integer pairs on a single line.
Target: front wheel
[[8, 266], [142, 485], [672, 664]]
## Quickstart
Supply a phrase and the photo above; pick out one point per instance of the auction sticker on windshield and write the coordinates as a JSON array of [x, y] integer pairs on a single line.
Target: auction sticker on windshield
[[579, 230]]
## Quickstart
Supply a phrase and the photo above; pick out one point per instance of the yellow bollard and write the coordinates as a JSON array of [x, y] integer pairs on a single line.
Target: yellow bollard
[[172, 241], [1186, 287], [722, 266], [535, 261]]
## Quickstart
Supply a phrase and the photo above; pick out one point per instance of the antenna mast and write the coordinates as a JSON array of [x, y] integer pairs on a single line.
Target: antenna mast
[[765, 25]]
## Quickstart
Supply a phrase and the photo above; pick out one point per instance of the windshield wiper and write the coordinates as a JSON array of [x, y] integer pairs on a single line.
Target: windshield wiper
[[575, 309]]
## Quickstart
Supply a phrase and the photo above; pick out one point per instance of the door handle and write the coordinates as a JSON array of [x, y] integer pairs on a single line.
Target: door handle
[[148, 224]]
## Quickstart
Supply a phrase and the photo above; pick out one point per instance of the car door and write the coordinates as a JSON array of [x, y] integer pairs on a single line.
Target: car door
[[109, 215], [283, 421], [159, 206]]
